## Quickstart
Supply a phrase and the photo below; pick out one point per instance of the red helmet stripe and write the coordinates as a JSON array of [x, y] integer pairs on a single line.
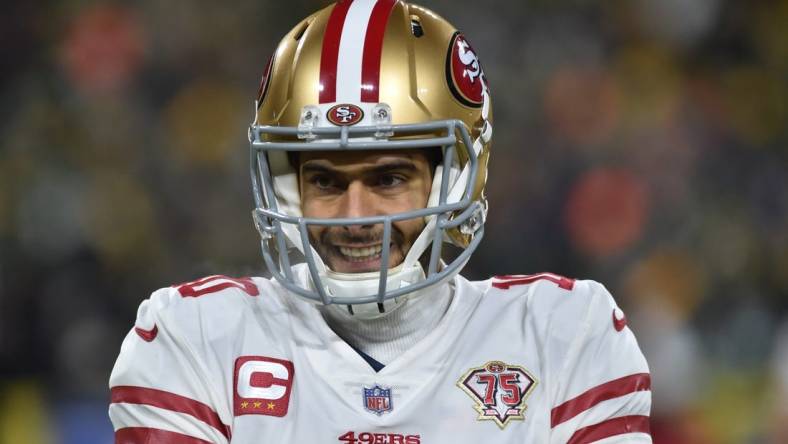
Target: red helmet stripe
[[373, 48], [330, 51]]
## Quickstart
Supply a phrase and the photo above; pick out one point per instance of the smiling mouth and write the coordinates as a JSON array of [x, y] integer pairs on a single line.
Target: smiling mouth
[[360, 254]]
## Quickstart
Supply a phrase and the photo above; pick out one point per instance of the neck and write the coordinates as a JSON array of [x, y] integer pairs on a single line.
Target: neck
[[388, 336]]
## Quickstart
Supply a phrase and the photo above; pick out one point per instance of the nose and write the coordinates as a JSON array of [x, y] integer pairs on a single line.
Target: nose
[[358, 201]]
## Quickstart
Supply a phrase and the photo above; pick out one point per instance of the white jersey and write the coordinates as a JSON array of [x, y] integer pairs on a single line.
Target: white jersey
[[516, 359]]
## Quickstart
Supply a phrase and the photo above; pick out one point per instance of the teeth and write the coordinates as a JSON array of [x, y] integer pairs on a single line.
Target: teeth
[[365, 253]]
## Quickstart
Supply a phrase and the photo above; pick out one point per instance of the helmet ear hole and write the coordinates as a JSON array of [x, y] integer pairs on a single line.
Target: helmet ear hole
[[301, 31], [415, 26]]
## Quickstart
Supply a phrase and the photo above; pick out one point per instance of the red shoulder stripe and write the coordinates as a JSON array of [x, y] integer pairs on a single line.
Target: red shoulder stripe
[[611, 427], [603, 392], [144, 435], [506, 281], [213, 284], [170, 401]]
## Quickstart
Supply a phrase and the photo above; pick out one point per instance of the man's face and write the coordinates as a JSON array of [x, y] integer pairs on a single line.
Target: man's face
[[358, 184]]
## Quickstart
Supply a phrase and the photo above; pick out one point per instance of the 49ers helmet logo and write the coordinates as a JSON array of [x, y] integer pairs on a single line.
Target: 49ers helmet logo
[[345, 114], [464, 73]]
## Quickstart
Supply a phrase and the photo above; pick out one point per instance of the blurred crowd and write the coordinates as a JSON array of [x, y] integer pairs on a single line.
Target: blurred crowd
[[641, 143]]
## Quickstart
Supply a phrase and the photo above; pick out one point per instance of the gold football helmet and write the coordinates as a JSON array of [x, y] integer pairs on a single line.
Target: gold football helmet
[[367, 75]]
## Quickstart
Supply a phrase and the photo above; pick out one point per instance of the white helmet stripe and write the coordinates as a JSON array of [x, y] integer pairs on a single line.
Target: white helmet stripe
[[351, 51]]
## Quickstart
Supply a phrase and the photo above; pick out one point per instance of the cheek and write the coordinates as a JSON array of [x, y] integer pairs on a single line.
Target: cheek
[[313, 208], [410, 229], [425, 191], [315, 232], [421, 188], [416, 197]]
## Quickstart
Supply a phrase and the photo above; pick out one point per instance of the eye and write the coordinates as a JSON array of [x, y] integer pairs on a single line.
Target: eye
[[322, 182], [390, 180]]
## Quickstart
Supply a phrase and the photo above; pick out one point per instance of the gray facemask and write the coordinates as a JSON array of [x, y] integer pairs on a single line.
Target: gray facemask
[[282, 227]]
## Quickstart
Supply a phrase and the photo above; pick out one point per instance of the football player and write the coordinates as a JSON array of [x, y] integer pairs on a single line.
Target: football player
[[369, 152]]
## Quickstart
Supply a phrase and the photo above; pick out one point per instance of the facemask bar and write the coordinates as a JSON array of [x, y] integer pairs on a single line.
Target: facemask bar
[[269, 219]]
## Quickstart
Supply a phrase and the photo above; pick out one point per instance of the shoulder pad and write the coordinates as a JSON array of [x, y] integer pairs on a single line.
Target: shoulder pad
[[603, 312], [589, 310], [560, 306], [217, 301]]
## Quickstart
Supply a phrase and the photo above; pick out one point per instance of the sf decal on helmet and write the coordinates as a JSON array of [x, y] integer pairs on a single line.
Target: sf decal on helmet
[[464, 72], [345, 114]]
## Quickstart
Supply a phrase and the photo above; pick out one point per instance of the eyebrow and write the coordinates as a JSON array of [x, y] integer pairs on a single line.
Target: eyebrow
[[378, 169]]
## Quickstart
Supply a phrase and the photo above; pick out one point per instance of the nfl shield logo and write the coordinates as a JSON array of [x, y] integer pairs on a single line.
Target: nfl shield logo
[[377, 399]]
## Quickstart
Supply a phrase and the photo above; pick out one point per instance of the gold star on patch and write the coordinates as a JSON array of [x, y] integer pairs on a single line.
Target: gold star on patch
[[257, 404], [271, 406], [244, 405]]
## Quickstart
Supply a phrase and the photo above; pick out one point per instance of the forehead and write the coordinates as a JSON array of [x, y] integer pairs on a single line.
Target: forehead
[[350, 159]]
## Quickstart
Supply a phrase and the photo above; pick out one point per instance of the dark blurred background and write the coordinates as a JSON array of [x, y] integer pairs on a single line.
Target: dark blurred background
[[640, 143]]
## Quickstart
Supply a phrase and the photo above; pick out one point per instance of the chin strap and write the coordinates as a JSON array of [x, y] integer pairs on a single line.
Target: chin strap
[[364, 284]]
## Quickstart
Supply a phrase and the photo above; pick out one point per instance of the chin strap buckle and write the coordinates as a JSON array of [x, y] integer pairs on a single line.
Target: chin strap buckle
[[310, 116], [476, 220], [381, 119], [263, 225]]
